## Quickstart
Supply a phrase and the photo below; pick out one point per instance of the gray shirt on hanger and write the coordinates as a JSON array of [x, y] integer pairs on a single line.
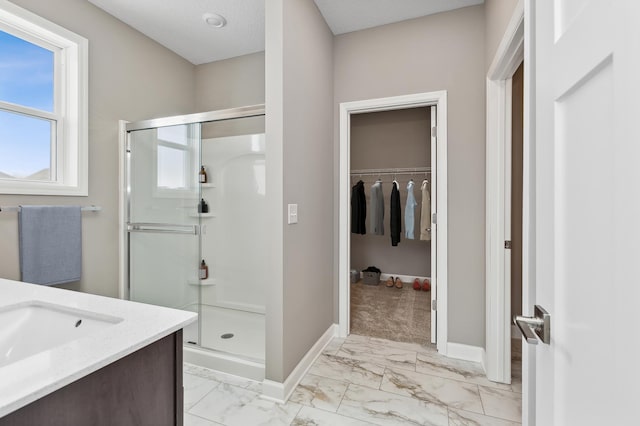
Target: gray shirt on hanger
[[377, 209]]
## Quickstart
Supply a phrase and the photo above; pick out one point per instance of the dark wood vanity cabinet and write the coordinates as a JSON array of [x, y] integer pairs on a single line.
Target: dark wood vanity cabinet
[[143, 388]]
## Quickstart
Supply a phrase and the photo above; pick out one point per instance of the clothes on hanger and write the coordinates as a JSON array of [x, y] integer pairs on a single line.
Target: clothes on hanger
[[425, 214], [358, 209], [377, 209], [409, 210], [395, 224]]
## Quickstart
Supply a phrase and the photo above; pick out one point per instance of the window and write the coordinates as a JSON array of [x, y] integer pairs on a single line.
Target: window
[[43, 106], [177, 160], [173, 158]]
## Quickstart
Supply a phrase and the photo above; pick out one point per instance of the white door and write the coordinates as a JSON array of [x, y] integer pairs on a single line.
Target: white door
[[587, 198]]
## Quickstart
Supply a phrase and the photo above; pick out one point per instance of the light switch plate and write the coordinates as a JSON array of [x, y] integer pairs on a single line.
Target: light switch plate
[[292, 213]]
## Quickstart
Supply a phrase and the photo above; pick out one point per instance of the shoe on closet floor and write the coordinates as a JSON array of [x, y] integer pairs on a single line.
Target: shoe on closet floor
[[389, 282], [426, 286], [399, 283], [416, 284]]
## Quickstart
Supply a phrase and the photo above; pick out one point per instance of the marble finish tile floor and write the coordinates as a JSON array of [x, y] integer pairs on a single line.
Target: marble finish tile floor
[[361, 381]]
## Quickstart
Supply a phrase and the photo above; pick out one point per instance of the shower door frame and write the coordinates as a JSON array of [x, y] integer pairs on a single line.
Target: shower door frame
[[124, 176]]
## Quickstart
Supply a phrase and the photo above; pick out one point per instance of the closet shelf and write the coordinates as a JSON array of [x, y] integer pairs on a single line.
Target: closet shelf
[[392, 171]]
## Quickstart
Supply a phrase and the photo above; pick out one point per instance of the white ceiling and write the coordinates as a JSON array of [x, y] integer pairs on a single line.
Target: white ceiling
[[344, 16], [178, 24]]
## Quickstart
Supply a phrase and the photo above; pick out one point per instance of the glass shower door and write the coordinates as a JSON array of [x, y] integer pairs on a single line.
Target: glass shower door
[[163, 223]]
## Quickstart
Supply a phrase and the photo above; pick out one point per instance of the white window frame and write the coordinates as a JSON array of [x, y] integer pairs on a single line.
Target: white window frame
[[70, 168]]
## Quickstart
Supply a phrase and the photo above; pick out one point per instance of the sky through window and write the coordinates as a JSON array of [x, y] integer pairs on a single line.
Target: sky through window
[[26, 79]]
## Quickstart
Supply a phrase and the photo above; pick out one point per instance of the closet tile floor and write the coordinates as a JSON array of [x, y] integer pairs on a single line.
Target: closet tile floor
[[361, 381], [391, 313]]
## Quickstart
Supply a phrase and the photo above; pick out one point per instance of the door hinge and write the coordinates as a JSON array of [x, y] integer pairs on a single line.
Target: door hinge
[[434, 305], [507, 244], [434, 131], [434, 218]]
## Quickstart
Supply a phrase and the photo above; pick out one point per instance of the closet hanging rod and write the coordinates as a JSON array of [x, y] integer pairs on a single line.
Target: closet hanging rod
[[84, 209], [400, 171]]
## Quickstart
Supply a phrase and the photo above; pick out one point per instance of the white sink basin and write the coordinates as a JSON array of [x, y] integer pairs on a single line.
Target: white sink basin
[[28, 328]]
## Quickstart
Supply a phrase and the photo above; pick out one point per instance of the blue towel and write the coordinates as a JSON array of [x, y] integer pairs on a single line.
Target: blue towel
[[50, 244]]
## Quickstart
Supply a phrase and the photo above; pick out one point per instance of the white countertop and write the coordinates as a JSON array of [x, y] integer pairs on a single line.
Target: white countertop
[[31, 378]]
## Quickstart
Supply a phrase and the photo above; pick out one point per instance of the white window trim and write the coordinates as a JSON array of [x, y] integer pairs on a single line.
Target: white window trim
[[72, 153]]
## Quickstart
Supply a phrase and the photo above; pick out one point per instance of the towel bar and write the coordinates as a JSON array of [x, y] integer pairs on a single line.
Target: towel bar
[[84, 209], [163, 228]]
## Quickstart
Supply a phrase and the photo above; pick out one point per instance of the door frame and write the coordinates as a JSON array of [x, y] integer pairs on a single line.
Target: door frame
[[511, 52], [439, 100], [516, 46]]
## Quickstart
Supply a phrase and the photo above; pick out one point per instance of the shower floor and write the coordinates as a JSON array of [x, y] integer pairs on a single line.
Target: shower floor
[[248, 329]]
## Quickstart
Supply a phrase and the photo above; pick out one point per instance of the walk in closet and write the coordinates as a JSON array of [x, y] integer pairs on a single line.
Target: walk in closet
[[387, 147]]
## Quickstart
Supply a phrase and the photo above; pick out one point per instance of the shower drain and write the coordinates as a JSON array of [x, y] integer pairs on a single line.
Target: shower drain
[[227, 336]]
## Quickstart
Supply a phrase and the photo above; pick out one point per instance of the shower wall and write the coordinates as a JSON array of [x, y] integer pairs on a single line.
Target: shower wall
[[233, 241]]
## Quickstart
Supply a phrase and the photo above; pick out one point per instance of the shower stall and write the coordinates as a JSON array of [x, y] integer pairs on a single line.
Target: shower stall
[[177, 219]]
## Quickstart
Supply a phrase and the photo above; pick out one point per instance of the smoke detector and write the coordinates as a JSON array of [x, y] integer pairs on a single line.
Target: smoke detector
[[214, 20]]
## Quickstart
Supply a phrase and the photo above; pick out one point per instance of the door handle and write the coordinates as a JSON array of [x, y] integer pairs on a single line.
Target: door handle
[[525, 324], [538, 326]]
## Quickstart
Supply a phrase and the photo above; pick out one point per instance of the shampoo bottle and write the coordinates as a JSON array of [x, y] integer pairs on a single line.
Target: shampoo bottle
[[203, 272], [203, 207], [202, 176]]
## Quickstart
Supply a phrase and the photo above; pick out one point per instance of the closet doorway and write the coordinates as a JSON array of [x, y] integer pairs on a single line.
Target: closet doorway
[[387, 142]]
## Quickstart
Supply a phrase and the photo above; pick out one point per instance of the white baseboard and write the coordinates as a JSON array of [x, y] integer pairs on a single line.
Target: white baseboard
[[465, 352], [273, 391], [280, 392], [484, 360]]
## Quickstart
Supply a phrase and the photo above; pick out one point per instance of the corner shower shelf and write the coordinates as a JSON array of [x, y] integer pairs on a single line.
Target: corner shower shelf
[[203, 283], [203, 215]]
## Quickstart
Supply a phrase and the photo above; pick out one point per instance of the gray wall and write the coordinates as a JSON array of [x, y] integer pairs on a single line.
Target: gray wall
[[388, 139], [274, 125], [130, 77], [308, 170], [230, 83], [299, 137], [438, 52], [497, 16]]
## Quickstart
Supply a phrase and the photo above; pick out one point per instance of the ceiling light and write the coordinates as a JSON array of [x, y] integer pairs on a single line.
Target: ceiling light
[[214, 20]]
